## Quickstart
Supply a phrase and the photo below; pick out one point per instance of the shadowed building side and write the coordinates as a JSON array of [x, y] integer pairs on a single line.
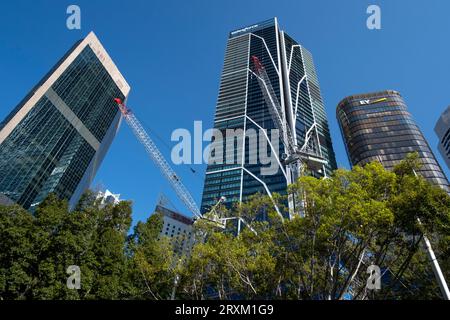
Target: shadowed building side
[[442, 130]]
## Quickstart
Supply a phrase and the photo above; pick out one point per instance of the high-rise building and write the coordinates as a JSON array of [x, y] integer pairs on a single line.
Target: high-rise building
[[241, 105], [378, 127], [178, 228], [56, 138], [442, 130]]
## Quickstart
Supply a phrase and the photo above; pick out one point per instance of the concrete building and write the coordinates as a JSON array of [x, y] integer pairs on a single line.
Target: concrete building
[[178, 228], [56, 138]]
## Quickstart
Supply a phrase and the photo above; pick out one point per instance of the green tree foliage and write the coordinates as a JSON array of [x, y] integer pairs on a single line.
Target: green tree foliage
[[153, 264], [17, 256], [347, 222], [37, 249], [341, 225]]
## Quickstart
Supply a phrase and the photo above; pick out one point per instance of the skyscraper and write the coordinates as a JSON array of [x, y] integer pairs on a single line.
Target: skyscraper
[[377, 127], [58, 135], [241, 105], [442, 130]]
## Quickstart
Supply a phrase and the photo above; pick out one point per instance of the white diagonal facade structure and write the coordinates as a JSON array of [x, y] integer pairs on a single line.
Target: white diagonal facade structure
[[241, 105]]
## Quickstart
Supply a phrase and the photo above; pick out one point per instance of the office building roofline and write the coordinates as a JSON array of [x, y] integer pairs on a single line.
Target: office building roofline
[[49, 79], [254, 27], [174, 215], [353, 97]]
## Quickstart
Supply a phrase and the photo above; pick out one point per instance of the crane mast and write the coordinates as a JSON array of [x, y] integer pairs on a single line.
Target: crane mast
[[275, 109], [297, 159], [157, 157]]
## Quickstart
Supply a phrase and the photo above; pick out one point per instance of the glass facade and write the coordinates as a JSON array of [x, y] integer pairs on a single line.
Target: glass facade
[[378, 127], [442, 130], [241, 105], [56, 142], [305, 100]]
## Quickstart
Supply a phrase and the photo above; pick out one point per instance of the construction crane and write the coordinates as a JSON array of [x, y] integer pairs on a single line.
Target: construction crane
[[157, 157], [167, 171], [221, 222], [296, 158]]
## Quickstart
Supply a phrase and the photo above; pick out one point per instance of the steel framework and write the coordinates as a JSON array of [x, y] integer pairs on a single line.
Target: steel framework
[[158, 159]]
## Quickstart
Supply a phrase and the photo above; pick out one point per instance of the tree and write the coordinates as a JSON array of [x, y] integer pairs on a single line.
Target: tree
[[153, 263], [16, 252], [353, 219], [37, 249]]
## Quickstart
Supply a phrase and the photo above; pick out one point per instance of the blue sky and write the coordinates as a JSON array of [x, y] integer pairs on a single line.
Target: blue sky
[[171, 53]]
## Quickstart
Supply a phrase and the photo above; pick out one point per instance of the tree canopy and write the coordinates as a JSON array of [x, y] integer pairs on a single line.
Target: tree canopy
[[343, 224]]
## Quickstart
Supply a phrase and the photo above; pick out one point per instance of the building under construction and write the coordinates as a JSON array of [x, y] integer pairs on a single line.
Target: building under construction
[[288, 93]]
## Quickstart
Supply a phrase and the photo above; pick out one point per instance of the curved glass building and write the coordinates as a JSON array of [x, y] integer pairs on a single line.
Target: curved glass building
[[378, 127]]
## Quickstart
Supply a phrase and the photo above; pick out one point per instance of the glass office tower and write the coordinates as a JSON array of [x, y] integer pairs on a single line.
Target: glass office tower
[[241, 105], [378, 127], [442, 130], [57, 137]]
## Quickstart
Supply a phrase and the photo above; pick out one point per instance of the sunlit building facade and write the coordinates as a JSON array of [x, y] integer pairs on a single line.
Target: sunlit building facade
[[378, 127], [178, 228], [56, 138]]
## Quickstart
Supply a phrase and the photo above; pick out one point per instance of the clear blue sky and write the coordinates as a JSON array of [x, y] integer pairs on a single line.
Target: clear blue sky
[[171, 53]]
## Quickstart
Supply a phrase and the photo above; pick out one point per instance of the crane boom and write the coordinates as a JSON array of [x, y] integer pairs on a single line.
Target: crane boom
[[157, 157], [297, 157], [273, 104]]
